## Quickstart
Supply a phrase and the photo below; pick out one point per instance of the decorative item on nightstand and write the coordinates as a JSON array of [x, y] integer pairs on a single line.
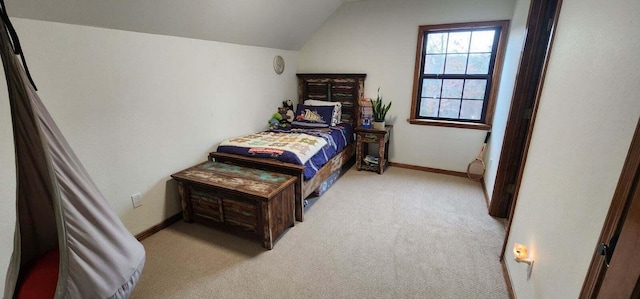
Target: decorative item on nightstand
[[366, 113], [379, 112]]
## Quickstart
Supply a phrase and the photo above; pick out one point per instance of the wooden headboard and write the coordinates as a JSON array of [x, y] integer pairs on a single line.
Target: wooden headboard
[[347, 89]]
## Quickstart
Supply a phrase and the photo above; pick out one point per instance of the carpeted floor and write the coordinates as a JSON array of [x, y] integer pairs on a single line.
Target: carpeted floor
[[403, 234]]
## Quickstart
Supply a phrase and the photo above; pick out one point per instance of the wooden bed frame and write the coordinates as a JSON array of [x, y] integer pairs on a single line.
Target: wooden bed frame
[[345, 88], [302, 188]]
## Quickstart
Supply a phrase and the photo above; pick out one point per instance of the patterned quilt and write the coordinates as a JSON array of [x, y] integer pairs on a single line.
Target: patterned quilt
[[309, 147], [304, 146]]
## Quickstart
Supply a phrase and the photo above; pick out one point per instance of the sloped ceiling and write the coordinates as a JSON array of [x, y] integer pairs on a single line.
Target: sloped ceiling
[[280, 24]]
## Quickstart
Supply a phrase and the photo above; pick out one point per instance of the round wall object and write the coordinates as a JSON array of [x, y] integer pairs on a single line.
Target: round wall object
[[278, 64]]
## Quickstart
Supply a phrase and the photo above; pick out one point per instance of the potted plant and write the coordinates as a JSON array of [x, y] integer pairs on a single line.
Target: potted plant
[[379, 112]]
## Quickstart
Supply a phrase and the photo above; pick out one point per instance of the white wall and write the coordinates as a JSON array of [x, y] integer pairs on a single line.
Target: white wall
[[138, 107], [512, 57], [379, 37], [588, 111]]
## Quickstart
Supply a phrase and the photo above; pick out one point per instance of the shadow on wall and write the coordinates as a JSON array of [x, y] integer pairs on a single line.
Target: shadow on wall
[[171, 199]]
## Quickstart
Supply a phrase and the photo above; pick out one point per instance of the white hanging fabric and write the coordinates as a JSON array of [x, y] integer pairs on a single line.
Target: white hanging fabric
[[58, 206]]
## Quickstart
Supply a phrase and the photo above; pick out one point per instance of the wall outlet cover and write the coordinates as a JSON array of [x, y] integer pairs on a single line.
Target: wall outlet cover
[[136, 199]]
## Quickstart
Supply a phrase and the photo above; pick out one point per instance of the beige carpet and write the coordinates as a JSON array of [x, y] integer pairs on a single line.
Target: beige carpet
[[403, 234]]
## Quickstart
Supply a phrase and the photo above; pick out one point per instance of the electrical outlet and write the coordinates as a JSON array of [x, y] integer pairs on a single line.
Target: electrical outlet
[[136, 199]]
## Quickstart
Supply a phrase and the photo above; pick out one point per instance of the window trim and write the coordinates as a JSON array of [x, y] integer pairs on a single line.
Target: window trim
[[495, 77]]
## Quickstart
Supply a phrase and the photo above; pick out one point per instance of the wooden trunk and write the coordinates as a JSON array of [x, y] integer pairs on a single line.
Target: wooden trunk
[[245, 201]]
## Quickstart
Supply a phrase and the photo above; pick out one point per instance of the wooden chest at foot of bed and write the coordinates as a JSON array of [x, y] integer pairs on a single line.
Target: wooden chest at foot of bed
[[245, 201]]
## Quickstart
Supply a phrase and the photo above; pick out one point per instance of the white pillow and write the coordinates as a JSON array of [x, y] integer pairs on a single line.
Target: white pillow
[[336, 117]]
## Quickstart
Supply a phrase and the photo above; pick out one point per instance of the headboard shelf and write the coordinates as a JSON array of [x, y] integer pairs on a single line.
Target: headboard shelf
[[345, 88]]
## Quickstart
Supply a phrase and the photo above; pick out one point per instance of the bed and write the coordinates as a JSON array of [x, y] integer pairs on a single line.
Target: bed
[[333, 90]]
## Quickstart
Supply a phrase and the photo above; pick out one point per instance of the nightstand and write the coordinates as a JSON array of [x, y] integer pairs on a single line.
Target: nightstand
[[366, 136]]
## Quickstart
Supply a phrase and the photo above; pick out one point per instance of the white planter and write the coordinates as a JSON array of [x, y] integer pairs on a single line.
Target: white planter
[[378, 125]]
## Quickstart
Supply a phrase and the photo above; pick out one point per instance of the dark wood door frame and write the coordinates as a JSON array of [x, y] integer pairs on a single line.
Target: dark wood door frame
[[541, 23], [616, 216]]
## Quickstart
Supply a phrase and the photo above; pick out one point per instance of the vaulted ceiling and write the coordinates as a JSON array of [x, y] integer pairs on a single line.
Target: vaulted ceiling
[[280, 24]]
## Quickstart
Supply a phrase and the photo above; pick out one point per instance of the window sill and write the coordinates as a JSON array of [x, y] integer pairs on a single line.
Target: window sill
[[451, 124]]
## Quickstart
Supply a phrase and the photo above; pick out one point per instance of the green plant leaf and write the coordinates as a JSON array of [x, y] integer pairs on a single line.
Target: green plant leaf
[[379, 108]]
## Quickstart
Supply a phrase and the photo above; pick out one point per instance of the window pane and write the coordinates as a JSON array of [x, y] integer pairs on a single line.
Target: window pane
[[474, 89], [456, 64], [454, 70], [434, 64], [429, 107], [482, 41], [459, 42], [431, 88], [449, 108], [436, 43], [471, 109], [478, 63], [452, 88]]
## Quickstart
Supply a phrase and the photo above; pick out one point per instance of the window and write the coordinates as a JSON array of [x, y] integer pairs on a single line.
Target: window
[[457, 74]]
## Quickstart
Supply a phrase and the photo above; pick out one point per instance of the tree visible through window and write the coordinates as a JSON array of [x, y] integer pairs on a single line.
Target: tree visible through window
[[456, 70]]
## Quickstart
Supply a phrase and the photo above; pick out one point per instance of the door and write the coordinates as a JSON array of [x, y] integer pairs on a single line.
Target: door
[[540, 27], [621, 277], [621, 236]]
